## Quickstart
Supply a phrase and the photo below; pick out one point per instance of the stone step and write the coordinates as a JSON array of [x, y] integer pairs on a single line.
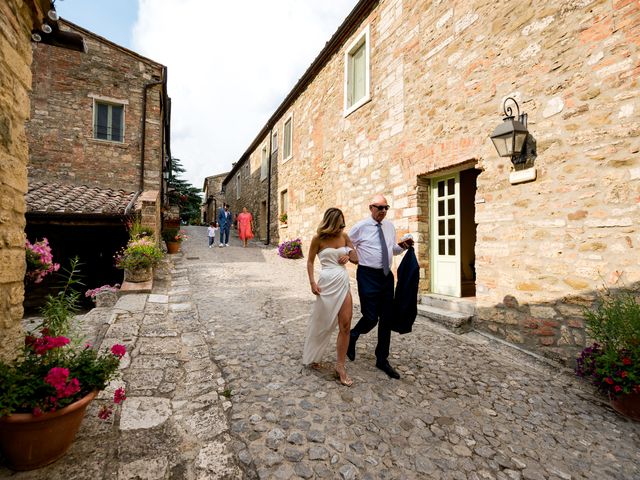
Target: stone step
[[455, 321], [454, 304]]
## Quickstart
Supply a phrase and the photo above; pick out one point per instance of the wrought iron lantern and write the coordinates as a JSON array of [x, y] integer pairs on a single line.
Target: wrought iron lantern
[[510, 137]]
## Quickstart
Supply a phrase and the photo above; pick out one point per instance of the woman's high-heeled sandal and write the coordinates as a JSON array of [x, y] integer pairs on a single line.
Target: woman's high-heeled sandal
[[341, 375]]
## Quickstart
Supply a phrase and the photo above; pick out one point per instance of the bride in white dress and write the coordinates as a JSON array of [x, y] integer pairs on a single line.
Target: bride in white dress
[[333, 304]]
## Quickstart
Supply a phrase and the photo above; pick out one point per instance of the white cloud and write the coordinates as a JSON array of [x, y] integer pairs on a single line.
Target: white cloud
[[230, 64]]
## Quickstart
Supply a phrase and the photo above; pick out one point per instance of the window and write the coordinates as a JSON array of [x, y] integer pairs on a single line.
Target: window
[[356, 73], [238, 186], [108, 122], [264, 166], [284, 201], [286, 142], [274, 148]]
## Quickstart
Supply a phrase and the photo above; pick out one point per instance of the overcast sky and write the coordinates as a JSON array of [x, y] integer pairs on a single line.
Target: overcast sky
[[230, 63]]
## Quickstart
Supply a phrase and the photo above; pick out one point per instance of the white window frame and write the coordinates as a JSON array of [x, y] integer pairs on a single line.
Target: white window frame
[[363, 37], [238, 183], [284, 198], [114, 103], [289, 120], [264, 163]]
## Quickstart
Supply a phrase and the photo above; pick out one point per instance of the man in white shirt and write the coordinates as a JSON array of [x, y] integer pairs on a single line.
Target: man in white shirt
[[374, 239]]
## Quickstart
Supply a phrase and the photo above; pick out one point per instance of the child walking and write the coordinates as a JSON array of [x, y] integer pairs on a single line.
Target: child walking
[[212, 231]]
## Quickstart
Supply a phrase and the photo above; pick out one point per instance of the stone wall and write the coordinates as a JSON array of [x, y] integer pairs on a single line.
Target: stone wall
[[61, 137], [439, 74], [213, 196], [254, 193], [148, 209], [16, 21]]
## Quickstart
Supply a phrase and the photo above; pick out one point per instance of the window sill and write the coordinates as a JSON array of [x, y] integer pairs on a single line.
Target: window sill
[[284, 225], [109, 142], [357, 105], [285, 160]]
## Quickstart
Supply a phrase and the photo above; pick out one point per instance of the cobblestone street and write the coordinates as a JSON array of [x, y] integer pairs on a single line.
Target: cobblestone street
[[465, 408]]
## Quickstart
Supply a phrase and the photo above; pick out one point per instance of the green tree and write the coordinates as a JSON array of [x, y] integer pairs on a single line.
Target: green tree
[[183, 194]]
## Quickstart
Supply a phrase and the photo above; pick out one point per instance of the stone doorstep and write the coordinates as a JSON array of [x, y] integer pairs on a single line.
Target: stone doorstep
[[455, 321], [465, 305], [137, 287]]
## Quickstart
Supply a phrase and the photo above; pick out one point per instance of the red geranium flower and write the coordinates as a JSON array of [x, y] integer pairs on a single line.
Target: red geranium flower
[[626, 361], [609, 380], [119, 350]]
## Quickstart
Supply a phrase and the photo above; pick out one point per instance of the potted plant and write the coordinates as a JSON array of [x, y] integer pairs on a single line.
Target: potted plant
[[612, 363], [291, 249], [173, 238], [283, 218], [104, 296], [46, 389], [138, 258]]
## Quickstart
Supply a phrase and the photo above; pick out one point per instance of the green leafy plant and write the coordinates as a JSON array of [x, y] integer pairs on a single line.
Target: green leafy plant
[[139, 254], [137, 230], [283, 217], [59, 309], [52, 371], [612, 363], [169, 234], [174, 235]]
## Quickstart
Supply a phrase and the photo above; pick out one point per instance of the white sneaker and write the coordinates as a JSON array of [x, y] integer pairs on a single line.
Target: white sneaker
[[226, 244], [220, 245]]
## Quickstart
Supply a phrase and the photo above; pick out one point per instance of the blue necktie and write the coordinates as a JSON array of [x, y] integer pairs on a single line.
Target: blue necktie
[[385, 251]]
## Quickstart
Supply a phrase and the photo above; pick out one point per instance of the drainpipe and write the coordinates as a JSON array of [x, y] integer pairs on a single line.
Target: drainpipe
[[131, 203], [147, 86], [269, 191]]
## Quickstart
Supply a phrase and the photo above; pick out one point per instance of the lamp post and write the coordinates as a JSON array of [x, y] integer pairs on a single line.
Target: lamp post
[[510, 137]]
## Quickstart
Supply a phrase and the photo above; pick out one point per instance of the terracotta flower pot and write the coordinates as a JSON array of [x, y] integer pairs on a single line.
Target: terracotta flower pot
[[138, 275], [28, 442], [173, 247], [627, 405]]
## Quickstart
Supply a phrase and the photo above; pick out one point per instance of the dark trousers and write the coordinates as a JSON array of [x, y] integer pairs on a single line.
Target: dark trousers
[[211, 240], [224, 234], [376, 300]]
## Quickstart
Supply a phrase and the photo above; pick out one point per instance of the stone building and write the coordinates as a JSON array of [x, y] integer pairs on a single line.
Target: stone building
[[213, 197], [99, 144], [20, 23], [402, 101]]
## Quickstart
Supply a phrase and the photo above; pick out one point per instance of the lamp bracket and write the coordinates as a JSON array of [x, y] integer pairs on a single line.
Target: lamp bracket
[[507, 110]]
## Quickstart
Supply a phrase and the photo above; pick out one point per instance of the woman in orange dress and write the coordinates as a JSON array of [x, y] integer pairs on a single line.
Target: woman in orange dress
[[245, 219]]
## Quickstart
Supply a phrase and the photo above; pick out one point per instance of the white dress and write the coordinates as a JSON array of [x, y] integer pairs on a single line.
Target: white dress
[[334, 286]]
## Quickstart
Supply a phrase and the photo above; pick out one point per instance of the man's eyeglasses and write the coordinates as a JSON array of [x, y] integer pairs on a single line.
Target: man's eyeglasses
[[381, 207], [342, 226]]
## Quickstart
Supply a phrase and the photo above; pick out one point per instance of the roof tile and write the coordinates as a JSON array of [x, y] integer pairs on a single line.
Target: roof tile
[[63, 198]]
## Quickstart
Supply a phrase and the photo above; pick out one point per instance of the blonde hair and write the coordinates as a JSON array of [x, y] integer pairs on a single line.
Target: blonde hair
[[332, 223]]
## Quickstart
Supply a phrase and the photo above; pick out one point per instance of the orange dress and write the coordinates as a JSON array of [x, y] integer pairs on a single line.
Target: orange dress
[[244, 226]]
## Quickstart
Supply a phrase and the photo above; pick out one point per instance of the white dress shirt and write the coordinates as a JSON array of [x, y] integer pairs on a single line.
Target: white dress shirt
[[366, 240]]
